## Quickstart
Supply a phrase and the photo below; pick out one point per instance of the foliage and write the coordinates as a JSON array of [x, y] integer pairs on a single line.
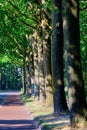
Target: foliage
[[9, 74], [17, 24], [83, 38]]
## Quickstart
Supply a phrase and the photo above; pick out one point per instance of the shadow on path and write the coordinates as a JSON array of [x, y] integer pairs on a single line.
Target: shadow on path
[[14, 115], [17, 125]]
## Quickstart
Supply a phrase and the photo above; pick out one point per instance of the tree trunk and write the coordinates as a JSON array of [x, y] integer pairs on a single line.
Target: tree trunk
[[30, 80], [57, 59], [77, 101], [41, 71], [47, 57], [47, 70], [7, 74], [24, 76], [40, 62], [35, 60], [14, 79], [0, 79]]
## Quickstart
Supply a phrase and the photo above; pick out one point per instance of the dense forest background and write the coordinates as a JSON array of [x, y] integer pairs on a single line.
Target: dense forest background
[[28, 49]]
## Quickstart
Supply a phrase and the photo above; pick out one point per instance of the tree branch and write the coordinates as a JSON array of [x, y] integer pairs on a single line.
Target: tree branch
[[17, 9]]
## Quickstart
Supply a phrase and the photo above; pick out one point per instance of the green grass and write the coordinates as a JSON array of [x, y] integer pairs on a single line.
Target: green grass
[[44, 114]]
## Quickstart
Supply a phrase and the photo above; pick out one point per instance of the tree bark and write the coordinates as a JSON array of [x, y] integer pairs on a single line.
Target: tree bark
[[35, 60], [24, 76], [41, 71], [46, 41], [0, 79], [76, 92], [57, 59]]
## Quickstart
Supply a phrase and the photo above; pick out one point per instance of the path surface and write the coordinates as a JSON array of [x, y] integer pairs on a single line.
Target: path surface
[[14, 115]]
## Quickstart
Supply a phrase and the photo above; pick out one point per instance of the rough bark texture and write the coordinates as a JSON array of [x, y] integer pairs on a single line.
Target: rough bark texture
[[41, 72], [47, 72], [40, 62], [35, 60], [57, 59], [28, 80], [0, 79], [77, 101], [24, 76], [47, 57]]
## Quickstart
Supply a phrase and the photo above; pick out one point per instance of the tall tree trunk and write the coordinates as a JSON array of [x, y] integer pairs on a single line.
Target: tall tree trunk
[[77, 99], [0, 79], [41, 71], [24, 76], [28, 81], [14, 75], [35, 60], [46, 40], [47, 69], [57, 59], [30, 69], [40, 60], [7, 74]]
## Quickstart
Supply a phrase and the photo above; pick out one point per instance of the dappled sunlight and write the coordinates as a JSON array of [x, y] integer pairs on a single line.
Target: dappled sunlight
[[48, 80], [44, 23], [71, 6], [51, 121], [1, 4], [69, 54], [74, 8], [72, 97], [35, 34], [59, 82], [73, 75], [65, 24], [72, 54]]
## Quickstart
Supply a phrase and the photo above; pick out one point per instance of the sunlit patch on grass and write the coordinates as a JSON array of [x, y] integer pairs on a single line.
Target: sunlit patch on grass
[[44, 114]]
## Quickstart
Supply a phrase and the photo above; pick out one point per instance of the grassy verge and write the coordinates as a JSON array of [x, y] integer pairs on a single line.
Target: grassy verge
[[44, 114]]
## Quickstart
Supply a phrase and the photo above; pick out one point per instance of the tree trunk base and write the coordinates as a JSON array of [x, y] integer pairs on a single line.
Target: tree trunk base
[[79, 120]]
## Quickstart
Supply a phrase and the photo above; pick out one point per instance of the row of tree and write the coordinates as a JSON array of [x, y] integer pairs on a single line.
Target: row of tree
[[43, 37]]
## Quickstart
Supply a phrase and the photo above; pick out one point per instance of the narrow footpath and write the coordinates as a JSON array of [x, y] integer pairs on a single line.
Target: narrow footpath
[[14, 115]]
